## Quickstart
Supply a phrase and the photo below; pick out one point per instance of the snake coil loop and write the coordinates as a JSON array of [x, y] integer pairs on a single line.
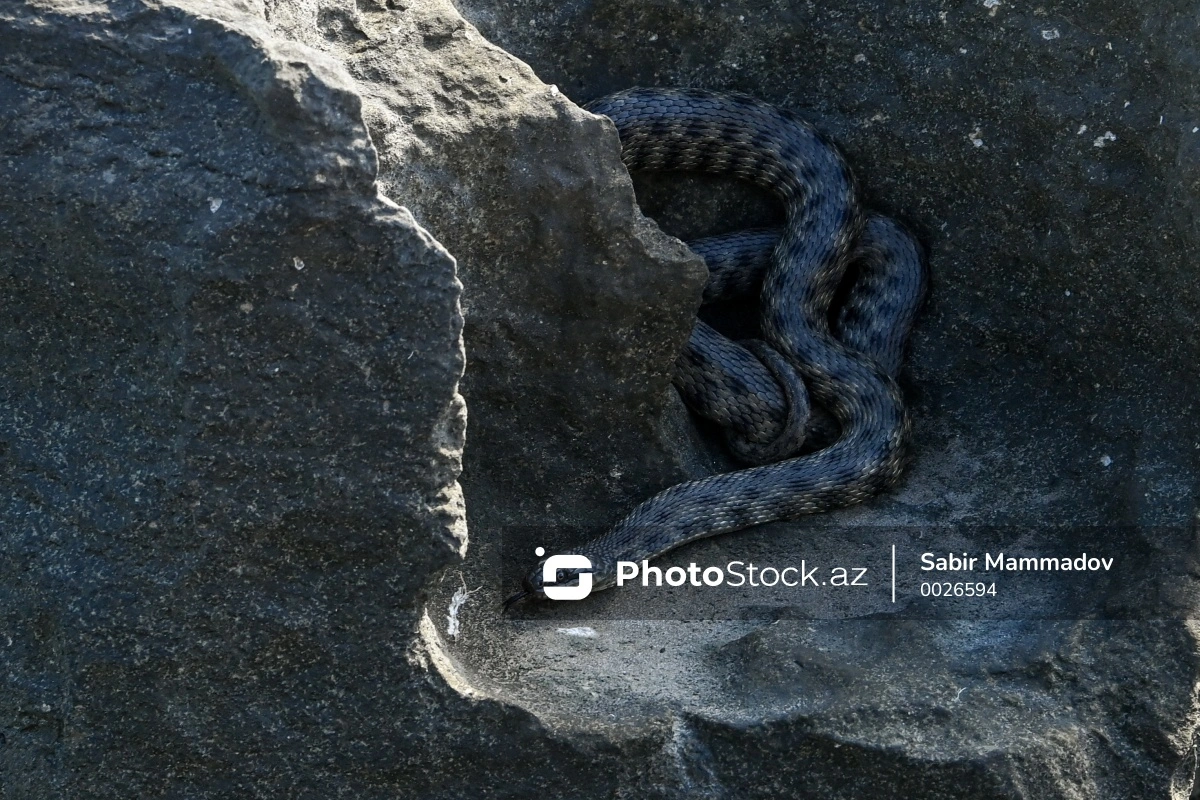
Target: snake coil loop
[[759, 391]]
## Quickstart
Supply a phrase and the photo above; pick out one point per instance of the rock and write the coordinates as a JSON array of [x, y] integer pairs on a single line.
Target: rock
[[1032, 152], [574, 304], [232, 429], [233, 353]]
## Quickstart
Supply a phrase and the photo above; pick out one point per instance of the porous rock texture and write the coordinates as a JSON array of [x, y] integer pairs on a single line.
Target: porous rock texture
[[1048, 157], [231, 430], [235, 551]]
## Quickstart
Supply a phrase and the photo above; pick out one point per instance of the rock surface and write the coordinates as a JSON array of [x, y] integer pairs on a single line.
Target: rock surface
[[1046, 156], [574, 303], [232, 556], [232, 431]]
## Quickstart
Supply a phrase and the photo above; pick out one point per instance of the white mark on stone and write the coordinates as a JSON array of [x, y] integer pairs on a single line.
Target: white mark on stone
[[457, 600], [1108, 45], [320, 177], [583, 632], [1102, 141], [860, 59], [654, 37], [1127, 104], [1050, 34], [976, 137], [109, 176], [1067, 293], [962, 50], [1106, 461], [741, 18], [214, 204], [297, 263], [1195, 129], [992, 6], [1082, 130], [189, 31], [942, 16], [246, 308]]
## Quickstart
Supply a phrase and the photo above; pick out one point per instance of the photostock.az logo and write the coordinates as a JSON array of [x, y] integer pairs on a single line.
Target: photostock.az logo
[[574, 564]]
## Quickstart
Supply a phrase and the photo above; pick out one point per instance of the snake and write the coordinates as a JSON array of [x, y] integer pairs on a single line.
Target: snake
[[812, 405]]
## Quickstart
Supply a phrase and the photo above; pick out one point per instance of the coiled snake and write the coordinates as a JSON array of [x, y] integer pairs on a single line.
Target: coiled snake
[[759, 390]]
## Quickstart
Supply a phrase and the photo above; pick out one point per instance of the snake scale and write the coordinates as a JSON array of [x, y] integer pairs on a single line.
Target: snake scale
[[768, 394]]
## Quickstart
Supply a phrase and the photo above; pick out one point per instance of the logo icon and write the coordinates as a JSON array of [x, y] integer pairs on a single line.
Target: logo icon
[[576, 565]]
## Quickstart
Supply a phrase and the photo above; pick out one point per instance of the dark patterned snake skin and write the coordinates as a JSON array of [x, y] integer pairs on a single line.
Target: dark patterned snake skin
[[760, 390]]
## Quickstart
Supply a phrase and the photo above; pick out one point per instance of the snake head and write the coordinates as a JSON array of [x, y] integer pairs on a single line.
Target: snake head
[[533, 585]]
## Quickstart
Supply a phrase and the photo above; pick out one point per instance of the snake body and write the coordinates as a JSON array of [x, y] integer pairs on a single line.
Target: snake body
[[762, 391]]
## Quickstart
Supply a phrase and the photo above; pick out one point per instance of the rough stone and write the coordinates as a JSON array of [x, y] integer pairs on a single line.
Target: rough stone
[[234, 564], [232, 432], [573, 302], [1047, 158]]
